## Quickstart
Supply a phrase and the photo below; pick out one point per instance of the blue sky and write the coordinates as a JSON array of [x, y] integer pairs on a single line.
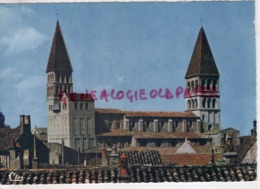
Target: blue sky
[[127, 46]]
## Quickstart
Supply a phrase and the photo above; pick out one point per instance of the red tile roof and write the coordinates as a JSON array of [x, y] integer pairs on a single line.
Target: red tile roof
[[117, 132], [137, 134], [167, 135], [109, 111], [158, 114], [7, 136], [145, 113]]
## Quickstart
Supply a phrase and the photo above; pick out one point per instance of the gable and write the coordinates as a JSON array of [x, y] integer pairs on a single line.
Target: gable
[[185, 148]]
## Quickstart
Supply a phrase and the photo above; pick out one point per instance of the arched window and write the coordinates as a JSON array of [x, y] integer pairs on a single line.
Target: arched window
[[208, 84], [202, 84], [214, 88], [188, 104], [196, 103], [81, 105], [209, 127], [76, 106], [204, 103], [213, 103], [192, 104], [188, 85], [192, 86], [196, 86], [208, 104], [86, 106]]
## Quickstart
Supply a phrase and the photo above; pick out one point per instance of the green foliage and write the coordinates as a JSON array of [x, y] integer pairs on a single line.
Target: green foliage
[[7, 126]]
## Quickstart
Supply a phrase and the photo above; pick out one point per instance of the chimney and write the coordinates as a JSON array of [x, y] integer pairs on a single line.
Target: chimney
[[253, 131], [212, 156], [104, 157], [123, 164], [25, 124], [123, 176]]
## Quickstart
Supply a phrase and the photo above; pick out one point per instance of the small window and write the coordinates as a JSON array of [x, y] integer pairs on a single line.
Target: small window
[[177, 124], [208, 103], [204, 103], [190, 124], [81, 105], [213, 103], [110, 124], [192, 86], [76, 106], [86, 106], [118, 124], [208, 84], [143, 143], [202, 84]]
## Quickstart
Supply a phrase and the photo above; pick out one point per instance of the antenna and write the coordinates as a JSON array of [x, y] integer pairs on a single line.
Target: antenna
[[57, 15], [201, 22]]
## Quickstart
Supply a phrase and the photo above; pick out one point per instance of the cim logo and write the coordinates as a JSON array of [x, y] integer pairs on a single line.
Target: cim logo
[[15, 177]]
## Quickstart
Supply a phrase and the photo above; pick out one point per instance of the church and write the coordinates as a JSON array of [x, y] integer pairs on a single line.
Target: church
[[79, 125]]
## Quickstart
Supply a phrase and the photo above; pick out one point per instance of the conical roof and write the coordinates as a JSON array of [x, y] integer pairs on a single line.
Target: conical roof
[[202, 61], [59, 59]]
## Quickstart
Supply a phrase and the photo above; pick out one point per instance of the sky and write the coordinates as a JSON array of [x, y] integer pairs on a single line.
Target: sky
[[128, 46]]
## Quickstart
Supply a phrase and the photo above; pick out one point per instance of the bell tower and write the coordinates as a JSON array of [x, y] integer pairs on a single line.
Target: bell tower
[[202, 85], [59, 69], [59, 81]]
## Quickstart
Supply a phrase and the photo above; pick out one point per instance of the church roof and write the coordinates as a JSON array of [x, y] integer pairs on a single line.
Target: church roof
[[59, 59], [202, 61], [145, 113]]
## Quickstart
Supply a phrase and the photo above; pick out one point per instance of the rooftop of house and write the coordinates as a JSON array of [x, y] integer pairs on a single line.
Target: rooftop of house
[[40, 133], [145, 113], [246, 143], [136, 174], [8, 136], [140, 135]]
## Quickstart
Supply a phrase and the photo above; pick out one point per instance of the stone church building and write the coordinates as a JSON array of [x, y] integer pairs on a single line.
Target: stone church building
[[73, 118]]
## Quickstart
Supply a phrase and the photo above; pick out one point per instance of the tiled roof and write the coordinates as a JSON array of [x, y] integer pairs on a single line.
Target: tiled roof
[[151, 157], [161, 150], [202, 61], [168, 154], [159, 114], [168, 135], [8, 136], [138, 135], [109, 111], [59, 59], [230, 128], [117, 132], [41, 133], [242, 149], [137, 174], [145, 113]]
